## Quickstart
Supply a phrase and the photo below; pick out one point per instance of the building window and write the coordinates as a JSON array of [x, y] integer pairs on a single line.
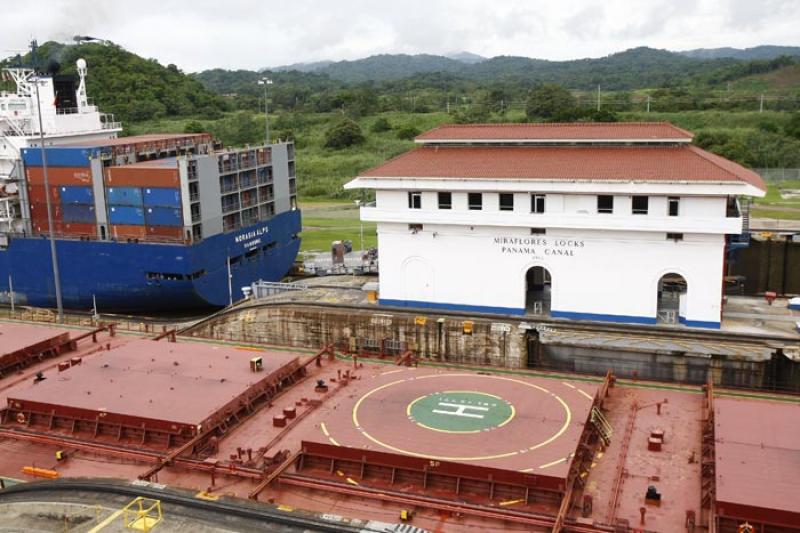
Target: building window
[[605, 203], [445, 200], [675, 237], [640, 204], [673, 206], [506, 201], [415, 200], [475, 201], [537, 203], [538, 231]]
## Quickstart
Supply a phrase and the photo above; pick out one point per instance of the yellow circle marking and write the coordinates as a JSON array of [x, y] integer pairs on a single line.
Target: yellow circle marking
[[420, 424], [445, 458]]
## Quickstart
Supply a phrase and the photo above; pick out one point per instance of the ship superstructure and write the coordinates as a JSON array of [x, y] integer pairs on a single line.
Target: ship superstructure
[[164, 221]]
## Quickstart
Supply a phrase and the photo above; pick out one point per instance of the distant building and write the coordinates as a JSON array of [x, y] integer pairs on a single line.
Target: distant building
[[623, 222]]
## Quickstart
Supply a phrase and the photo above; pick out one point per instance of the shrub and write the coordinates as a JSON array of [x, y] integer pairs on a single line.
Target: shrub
[[343, 134]]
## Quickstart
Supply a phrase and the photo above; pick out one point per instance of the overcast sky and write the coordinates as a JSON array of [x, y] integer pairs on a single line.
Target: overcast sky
[[200, 34]]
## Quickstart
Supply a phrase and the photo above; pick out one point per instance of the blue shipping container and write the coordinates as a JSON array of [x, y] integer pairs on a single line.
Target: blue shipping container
[[126, 215], [162, 197], [75, 195], [78, 213], [163, 216], [124, 196], [57, 156]]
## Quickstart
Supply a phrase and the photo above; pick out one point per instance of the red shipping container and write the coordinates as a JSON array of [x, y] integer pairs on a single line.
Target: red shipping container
[[60, 175], [79, 229], [165, 233], [141, 175], [40, 227], [39, 212], [123, 232], [36, 194]]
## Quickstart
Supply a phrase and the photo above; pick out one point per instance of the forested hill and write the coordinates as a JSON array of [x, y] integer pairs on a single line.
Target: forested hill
[[131, 87], [764, 52], [634, 68]]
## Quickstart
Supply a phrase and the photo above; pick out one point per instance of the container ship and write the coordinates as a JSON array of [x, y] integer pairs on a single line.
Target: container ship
[[144, 223]]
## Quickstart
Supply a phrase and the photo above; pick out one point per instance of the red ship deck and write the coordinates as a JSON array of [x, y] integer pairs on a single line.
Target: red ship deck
[[178, 388], [463, 450], [757, 451], [522, 424], [20, 344]]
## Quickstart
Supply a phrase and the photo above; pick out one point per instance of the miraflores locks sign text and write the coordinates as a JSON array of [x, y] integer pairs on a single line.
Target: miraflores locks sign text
[[539, 246]]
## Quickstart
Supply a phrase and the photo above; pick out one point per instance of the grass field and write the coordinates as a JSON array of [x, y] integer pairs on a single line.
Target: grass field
[[325, 222]]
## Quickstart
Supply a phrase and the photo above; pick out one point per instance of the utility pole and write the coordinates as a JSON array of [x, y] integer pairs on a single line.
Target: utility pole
[[266, 82], [11, 292], [648, 103], [761, 104], [598, 97], [53, 253]]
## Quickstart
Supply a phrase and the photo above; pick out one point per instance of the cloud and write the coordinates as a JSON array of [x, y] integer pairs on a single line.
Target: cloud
[[254, 34]]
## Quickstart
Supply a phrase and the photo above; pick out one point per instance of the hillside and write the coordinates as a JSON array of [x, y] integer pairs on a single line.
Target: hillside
[[131, 87], [747, 54], [631, 69]]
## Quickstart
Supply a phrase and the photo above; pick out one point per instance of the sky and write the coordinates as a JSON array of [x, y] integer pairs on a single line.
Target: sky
[[201, 34]]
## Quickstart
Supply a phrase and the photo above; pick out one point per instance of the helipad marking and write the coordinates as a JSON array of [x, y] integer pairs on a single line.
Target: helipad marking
[[410, 408], [586, 394], [357, 424], [554, 463], [325, 431]]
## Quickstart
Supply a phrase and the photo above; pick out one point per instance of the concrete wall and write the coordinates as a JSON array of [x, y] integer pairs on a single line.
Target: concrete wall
[[595, 274], [499, 344]]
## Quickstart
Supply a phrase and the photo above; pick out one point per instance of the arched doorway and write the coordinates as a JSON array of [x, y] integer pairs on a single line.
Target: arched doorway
[[538, 285], [671, 301]]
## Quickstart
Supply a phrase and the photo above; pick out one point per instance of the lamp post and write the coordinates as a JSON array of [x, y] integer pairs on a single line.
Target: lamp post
[[53, 255], [266, 82]]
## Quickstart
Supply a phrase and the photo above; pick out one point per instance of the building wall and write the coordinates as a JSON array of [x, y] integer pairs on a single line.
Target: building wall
[[606, 275], [280, 175]]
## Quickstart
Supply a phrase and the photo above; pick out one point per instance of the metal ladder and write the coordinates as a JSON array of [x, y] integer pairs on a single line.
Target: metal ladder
[[603, 426]]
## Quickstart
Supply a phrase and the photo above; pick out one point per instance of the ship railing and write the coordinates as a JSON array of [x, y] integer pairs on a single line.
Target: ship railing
[[263, 289], [150, 239]]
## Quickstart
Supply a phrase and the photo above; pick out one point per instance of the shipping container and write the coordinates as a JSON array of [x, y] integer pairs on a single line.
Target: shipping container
[[161, 197], [81, 176], [79, 229], [36, 194], [126, 215], [163, 216], [39, 211], [143, 176], [58, 156], [131, 196], [72, 194], [164, 233], [81, 213], [126, 231]]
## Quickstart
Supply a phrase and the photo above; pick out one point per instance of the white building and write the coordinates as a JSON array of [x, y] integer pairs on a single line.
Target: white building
[[624, 222]]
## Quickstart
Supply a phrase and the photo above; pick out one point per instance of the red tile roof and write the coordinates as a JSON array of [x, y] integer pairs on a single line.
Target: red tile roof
[[604, 163], [579, 131]]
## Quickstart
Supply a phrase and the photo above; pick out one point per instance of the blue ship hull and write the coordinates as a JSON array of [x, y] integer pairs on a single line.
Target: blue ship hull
[[147, 277]]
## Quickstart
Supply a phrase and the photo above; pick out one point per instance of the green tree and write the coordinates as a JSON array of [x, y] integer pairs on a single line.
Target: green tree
[[549, 101], [193, 127], [343, 134], [381, 125], [792, 127], [407, 132]]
